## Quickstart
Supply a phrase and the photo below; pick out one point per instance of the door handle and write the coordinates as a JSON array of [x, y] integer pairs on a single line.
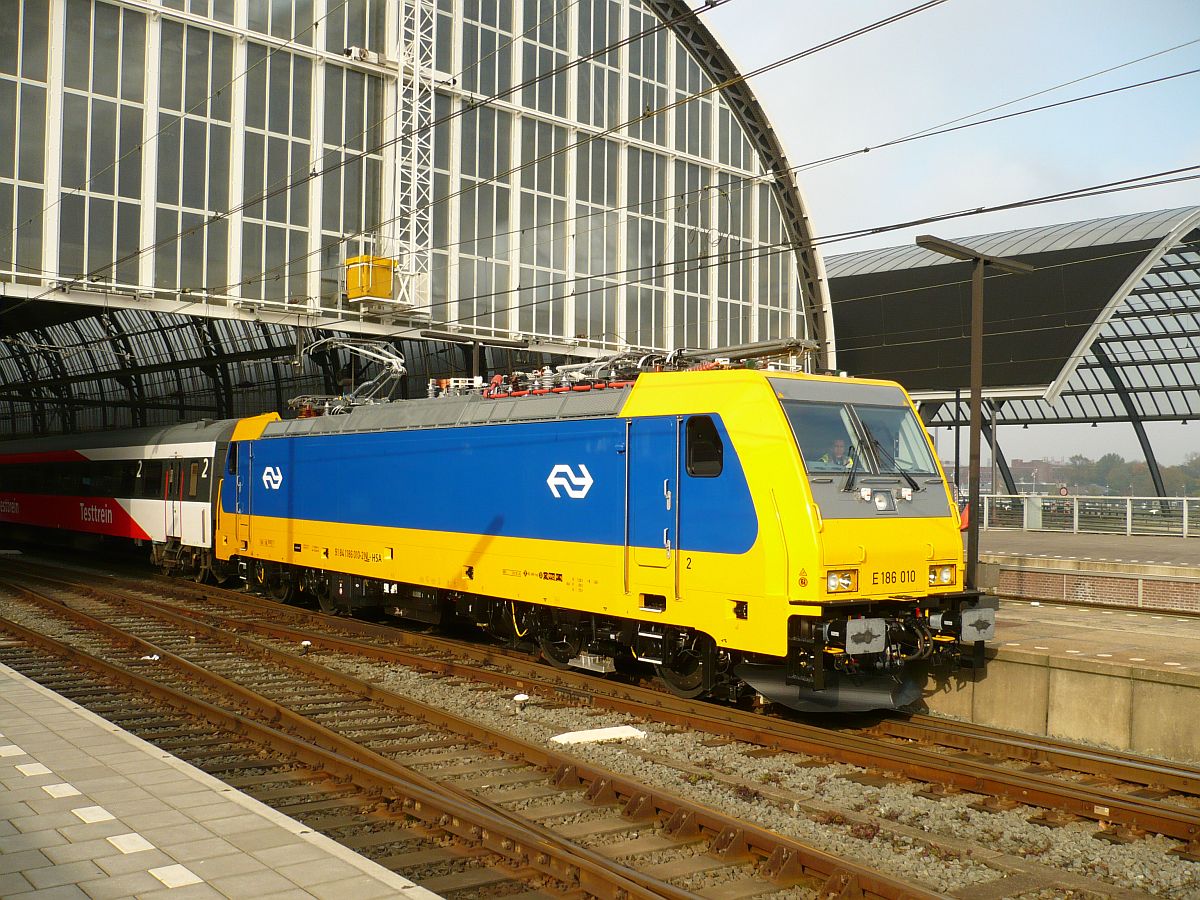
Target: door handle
[[667, 491], [667, 541]]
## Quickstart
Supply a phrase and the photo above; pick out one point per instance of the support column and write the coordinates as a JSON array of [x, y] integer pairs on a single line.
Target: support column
[[1001, 463], [150, 128], [1135, 418], [56, 39]]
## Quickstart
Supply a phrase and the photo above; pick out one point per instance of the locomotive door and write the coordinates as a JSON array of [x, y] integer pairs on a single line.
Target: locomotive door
[[654, 499], [242, 490]]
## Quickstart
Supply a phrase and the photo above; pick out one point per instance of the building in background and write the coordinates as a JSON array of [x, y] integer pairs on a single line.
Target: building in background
[[224, 158]]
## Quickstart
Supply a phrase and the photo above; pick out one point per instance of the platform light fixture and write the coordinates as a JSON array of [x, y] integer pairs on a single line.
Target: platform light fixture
[[979, 262]]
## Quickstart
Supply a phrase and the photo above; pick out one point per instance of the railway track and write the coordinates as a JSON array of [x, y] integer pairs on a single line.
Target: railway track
[[1125, 794], [493, 810]]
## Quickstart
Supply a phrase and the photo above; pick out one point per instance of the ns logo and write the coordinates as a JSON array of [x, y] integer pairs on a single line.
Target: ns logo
[[272, 478], [576, 486]]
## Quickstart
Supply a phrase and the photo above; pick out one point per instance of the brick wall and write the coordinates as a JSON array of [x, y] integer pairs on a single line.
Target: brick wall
[[1103, 590]]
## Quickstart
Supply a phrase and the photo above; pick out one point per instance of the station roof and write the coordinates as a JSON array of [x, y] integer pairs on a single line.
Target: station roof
[[1107, 327]]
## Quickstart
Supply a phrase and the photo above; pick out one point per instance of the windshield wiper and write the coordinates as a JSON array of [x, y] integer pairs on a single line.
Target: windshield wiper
[[890, 460], [848, 485]]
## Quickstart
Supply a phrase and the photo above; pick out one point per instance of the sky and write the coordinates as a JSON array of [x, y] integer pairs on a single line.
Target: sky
[[954, 60]]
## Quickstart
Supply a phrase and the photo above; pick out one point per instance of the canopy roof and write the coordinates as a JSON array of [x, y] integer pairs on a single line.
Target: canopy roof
[[1106, 329]]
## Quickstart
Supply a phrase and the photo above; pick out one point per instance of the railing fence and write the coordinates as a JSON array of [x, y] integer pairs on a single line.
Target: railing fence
[[1167, 516]]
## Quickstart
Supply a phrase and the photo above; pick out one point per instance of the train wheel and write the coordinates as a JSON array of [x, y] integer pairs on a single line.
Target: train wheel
[[560, 644], [202, 567], [280, 588], [320, 586], [221, 570], [686, 671]]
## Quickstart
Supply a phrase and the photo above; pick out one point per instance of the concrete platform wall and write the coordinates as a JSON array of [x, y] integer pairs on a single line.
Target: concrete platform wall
[[1145, 711]]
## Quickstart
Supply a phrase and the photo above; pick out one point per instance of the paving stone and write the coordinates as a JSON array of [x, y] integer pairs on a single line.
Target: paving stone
[[264, 839], [91, 786], [175, 834], [10, 809], [86, 831], [289, 853], [219, 808], [190, 892], [59, 892], [48, 822], [70, 873], [81, 774], [361, 887], [237, 863], [198, 796], [317, 871], [122, 808], [232, 825], [112, 888], [124, 863], [46, 804], [69, 853], [136, 768], [181, 784], [14, 883], [22, 861], [253, 884], [27, 791], [35, 840], [167, 817], [213, 846], [168, 773]]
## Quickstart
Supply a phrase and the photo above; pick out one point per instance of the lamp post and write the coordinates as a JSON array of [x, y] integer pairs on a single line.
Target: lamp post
[[1010, 267]]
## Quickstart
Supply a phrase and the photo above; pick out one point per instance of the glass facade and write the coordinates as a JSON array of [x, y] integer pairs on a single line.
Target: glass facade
[[227, 152]]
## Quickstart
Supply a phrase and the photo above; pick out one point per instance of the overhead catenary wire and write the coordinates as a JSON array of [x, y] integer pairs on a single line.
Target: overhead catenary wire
[[737, 184], [572, 63], [594, 275], [708, 261]]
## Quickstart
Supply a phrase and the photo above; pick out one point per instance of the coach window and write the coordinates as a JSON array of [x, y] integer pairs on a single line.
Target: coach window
[[193, 479], [704, 449], [152, 473]]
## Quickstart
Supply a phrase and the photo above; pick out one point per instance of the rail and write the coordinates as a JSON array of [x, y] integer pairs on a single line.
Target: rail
[[1161, 516]]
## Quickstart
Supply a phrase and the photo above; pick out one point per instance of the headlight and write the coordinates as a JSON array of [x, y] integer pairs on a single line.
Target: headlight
[[841, 582], [939, 575]]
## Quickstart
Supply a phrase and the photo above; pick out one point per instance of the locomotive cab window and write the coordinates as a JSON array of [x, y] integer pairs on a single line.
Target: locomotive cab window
[[704, 449], [866, 440], [231, 459]]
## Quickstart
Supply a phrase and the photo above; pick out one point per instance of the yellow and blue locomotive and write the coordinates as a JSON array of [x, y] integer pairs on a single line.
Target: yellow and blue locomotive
[[739, 530]]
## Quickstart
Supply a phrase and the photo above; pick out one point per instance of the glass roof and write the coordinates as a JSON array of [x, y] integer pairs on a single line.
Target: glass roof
[[1141, 358]]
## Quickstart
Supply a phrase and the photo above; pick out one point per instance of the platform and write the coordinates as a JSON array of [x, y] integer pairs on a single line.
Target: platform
[[1148, 572], [1120, 677], [89, 810]]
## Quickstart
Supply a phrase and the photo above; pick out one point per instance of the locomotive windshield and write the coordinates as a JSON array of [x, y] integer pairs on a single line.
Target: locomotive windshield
[[859, 438]]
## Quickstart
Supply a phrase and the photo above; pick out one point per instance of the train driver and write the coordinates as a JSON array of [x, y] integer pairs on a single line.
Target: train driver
[[838, 456]]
